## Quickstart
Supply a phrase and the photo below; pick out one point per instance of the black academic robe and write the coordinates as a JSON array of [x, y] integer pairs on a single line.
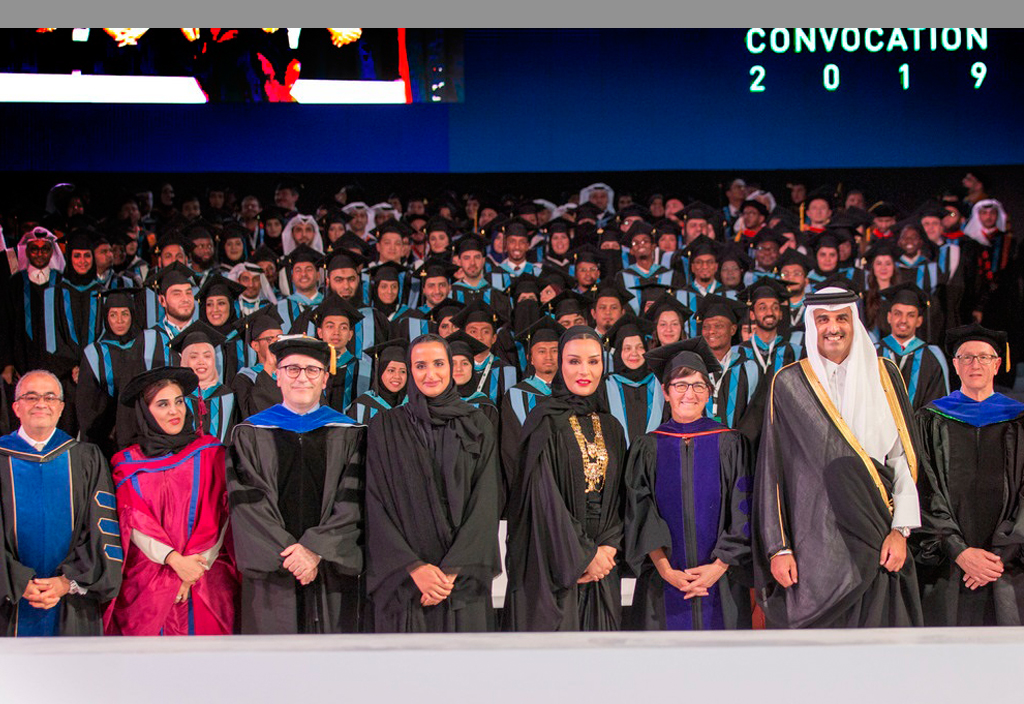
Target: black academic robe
[[255, 390], [828, 501], [923, 367], [555, 527], [289, 487], [94, 557], [420, 512], [516, 404], [103, 370], [972, 495], [647, 529], [34, 321]]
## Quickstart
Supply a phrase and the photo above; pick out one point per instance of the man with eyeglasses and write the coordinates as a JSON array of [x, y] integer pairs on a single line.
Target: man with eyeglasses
[[296, 491], [59, 521], [255, 387], [835, 495], [969, 547]]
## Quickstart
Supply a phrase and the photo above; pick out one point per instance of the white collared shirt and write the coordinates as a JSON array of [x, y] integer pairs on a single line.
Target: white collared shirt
[[39, 276], [35, 443]]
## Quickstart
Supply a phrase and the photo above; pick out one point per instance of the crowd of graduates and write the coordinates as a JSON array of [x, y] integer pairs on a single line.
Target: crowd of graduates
[[210, 285]]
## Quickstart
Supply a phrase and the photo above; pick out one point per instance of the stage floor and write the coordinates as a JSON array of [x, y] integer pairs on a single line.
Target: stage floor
[[908, 665]]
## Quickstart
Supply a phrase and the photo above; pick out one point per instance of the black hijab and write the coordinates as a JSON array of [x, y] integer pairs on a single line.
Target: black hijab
[[385, 273], [152, 440], [389, 355], [619, 366], [117, 299]]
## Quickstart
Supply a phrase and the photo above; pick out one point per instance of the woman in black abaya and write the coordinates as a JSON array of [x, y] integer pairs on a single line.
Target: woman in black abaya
[[431, 504]]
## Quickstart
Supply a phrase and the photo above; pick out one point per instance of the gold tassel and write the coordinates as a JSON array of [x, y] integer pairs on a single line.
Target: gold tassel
[[334, 360], [1007, 356]]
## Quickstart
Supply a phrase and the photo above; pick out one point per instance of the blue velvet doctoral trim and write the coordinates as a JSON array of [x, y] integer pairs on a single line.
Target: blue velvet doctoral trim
[[691, 506], [997, 408], [280, 417], [15, 443]]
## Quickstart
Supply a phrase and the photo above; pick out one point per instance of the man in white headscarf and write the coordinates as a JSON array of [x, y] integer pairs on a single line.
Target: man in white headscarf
[[990, 252], [835, 494], [602, 196]]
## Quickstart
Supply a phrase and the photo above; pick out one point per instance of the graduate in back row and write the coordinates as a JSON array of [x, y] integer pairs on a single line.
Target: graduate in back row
[[688, 490]]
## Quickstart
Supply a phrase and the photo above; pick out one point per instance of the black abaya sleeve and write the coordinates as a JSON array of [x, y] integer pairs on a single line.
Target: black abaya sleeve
[[645, 529], [733, 546]]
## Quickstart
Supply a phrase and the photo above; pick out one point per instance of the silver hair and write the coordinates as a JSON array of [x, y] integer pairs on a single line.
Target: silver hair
[[44, 372]]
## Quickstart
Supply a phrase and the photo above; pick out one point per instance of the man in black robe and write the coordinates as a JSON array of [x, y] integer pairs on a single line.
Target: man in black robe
[[972, 491], [255, 387], [296, 493], [58, 517], [835, 486], [923, 366]]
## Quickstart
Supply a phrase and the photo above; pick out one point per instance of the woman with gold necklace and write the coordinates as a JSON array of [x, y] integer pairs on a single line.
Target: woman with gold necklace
[[566, 502]]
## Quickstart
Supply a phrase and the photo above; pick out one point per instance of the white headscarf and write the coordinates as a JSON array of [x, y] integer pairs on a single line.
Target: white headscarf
[[864, 407], [265, 288], [562, 210], [288, 242], [585, 195], [40, 233], [371, 213], [973, 228]]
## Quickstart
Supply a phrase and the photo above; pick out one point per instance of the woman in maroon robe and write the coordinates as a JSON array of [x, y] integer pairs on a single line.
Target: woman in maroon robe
[[179, 569]]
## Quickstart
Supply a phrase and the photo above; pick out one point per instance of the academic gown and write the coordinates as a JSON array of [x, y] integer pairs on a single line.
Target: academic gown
[[555, 527], [367, 406], [516, 404], [739, 395], [255, 391], [972, 493], [59, 516], [421, 509], [638, 405], [298, 479], [688, 488], [218, 412], [923, 367], [818, 493], [34, 320], [102, 372], [180, 501]]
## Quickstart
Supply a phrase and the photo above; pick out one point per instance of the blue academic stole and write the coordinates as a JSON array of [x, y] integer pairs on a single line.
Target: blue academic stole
[[655, 407], [49, 311], [80, 338], [97, 356], [523, 401], [916, 349]]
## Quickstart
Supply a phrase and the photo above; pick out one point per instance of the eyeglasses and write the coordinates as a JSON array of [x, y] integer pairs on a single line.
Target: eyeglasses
[[269, 339], [312, 373], [587, 269], [681, 387], [971, 358], [34, 398], [39, 248]]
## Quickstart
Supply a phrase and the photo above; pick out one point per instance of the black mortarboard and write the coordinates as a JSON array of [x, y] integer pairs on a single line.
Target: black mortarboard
[[568, 302], [767, 234], [882, 209], [79, 239], [588, 211], [793, 256], [171, 238], [386, 271], [267, 318], [345, 259], [557, 225], [757, 205], [440, 224], [351, 242], [697, 211], [666, 227], [640, 228], [469, 243], [733, 253], [613, 289], [171, 275], [465, 345], [858, 216], [588, 253], [304, 344], [787, 220], [544, 330], [627, 325], [287, 183], [390, 351], [120, 298], [821, 193], [634, 210], [183, 376], [436, 266], [713, 306], [693, 353], [932, 209], [555, 276], [303, 253], [907, 294], [765, 287], [883, 247], [651, 290], [197, 332], [664, 302], [524, 283], [974, 331], [217, 285], [701, 245], [528, 208], [827, 239], [517, 227], [334, 304], [447, 307], [477, 312], [272, 212], [263, 253]]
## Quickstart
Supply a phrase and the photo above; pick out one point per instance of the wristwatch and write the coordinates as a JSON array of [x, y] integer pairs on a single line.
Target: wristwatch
[[73, 587], [904, 531]]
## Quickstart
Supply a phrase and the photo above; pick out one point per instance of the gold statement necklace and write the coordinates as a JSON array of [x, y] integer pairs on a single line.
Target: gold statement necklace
[[594, 454]]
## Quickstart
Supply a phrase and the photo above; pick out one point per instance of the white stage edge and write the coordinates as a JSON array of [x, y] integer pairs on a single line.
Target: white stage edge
[[906, 666]]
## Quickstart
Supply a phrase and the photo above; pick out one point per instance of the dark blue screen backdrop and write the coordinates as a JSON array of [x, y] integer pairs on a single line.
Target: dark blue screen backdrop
[[581, 100]]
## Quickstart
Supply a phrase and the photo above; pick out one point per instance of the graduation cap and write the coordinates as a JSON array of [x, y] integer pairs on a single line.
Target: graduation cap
[[182, 376], [528, 208], [171, 275], [386, 271], [756, 205], [345, 259], [693, 353], [199, 230], [440, 224], [544, 330], [120, 298], [907, 294], [613, 289], [290, 184], [634, 210], [335, 215], [651, 290], [785, 219], [997, 338], [391, 351], [568, 302], [628, 325], [517, 227], [665, 302], [263, 253], [640, 228], [697, 211], [666, 227], [303, 253], [588, 211], [196, 333], [827, 239], [857, 216], [883, 209], [79, 239], [447, 307], [463, 344], [611, 234], [259, 322], [272, 212], [305, 345], [558, 224], [839, 281], [434, 267], [714, 306], [821, 193], [554, 276], [218, 285], [524, 283], [334, 304], [470, 243], [794, 257], [477, 312], [767, 234], [702, 244], [170, 239], [765, 287], [588, 253], [882, 247], [930, 209], [733, 253], [351, 242]]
